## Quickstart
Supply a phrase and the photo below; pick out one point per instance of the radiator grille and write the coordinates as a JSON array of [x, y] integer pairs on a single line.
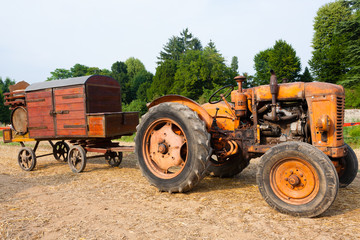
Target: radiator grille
[[340, 103]]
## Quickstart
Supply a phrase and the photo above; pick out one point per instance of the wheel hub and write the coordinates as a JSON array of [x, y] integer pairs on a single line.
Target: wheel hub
[[165, 147], [294, 181]]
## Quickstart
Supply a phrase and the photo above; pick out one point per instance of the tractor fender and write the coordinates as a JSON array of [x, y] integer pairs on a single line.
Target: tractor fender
[[203, 114]]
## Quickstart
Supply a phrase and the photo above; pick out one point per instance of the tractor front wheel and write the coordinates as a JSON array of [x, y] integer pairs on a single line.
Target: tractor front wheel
[[297, 179], [227, 168], [349, 168], [172, 147]]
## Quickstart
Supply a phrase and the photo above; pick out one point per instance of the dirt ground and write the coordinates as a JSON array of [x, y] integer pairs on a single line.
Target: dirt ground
[[51, 202]]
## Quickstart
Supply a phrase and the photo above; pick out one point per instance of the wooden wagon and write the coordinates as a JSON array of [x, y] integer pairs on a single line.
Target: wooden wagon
[[86, 111]]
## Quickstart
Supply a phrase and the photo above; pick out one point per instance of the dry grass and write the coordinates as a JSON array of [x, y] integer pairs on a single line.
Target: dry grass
[[51, 202]]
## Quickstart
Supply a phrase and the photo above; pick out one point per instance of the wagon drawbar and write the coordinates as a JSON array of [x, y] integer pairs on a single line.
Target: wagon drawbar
[[86, 111]]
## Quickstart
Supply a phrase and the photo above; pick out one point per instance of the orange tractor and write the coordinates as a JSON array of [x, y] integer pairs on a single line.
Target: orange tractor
[[296, 128]]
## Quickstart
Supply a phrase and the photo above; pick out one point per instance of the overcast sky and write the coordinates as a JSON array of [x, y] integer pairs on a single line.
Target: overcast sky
[[39, 36]]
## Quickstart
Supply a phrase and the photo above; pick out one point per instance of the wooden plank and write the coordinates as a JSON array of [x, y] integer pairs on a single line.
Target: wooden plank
[[39, 94], [71, 115], [70, 107], [96, 126], [61, 100], [69, 91], [62, 122], [71, 132]]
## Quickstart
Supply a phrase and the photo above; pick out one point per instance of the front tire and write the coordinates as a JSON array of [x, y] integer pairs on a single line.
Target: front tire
[[232, 166], [297, 179], [172, 146], [349, 168]]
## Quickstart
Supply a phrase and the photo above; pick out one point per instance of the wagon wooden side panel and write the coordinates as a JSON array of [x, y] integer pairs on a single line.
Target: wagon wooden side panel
[[69, 113], [103, 95], [39, 106]]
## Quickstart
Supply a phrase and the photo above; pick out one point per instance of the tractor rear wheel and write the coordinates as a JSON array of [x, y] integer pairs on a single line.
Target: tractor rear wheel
[[298, 179], [232, 166], [172, 147]]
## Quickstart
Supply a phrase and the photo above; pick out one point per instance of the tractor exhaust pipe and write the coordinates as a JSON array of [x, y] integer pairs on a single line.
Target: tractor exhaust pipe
[[274, 91]]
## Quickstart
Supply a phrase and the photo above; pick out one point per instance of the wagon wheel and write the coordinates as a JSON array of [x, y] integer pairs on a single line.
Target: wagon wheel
[[114, 159], [298, 179], [60, 151], [77, 159], [26, 159]]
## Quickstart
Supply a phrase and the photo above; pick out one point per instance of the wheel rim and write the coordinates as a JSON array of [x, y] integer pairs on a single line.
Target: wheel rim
[[294, 181], [113, 159], [75, 159], [61, 151], [26, 159], [165, 148]]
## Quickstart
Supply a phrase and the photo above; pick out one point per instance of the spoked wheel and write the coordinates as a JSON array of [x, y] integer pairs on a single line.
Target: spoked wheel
[[298, 179], [172, 145], [60, 151], [114, 159], [26, 159], [77, 159]]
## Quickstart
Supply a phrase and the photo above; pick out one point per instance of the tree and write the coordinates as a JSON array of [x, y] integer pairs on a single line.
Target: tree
[[176, 46], [262, 67], [163, 80], [327, 62], [306, 76], [281, 58], [4, 110], [134, 66], [120, 74], [59, 73], [79, 70], [139, 79], [200, 70], [351, 29]]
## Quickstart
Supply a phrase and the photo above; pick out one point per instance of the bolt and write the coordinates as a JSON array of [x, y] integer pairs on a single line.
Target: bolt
[[301, 175], [286, 179], [291, 172]]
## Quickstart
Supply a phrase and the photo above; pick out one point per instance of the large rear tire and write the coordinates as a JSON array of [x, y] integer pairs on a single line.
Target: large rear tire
[[172, 146], [297, 179]]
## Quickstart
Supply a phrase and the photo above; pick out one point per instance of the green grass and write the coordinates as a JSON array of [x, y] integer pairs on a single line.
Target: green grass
[[352, 136], [128, 138]]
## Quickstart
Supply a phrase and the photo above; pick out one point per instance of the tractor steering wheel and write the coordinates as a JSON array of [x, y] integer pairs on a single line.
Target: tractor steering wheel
[[226, 94]]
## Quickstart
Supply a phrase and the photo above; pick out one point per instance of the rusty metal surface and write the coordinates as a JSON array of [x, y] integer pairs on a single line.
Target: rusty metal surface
[[203, 114]]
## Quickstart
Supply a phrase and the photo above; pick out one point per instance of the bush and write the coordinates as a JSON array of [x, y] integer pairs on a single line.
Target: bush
[[352, 99], [135, 106]]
